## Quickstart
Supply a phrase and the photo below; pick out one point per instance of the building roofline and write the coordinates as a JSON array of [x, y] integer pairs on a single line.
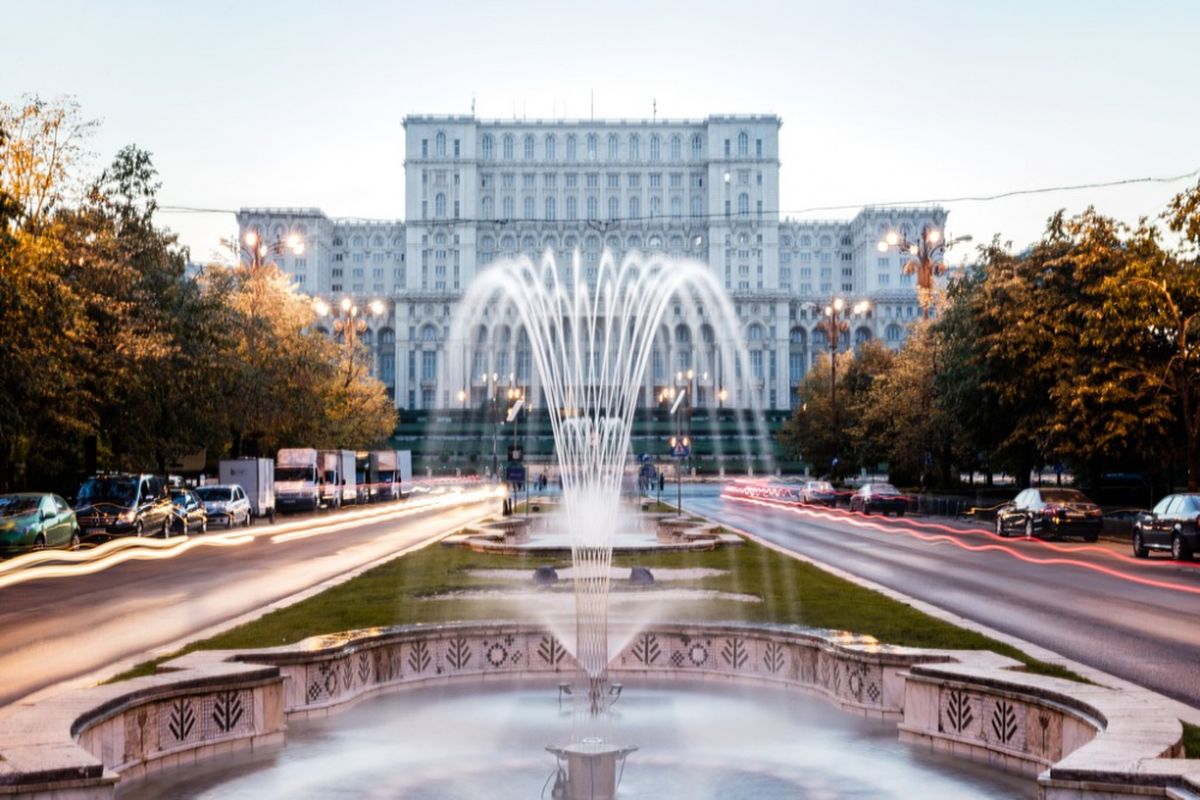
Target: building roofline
[[449, 119]]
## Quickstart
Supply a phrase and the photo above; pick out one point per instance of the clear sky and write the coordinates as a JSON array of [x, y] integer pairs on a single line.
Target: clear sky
[[299, 103]]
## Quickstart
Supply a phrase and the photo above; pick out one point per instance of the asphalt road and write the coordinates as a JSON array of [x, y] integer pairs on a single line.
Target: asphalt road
[[62, 627], [1138, 620]]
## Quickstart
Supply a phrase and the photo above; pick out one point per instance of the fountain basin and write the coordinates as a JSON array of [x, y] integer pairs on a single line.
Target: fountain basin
[[1079, 739]]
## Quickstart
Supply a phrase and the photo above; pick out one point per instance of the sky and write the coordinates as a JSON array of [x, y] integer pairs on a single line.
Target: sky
[[300, 103]]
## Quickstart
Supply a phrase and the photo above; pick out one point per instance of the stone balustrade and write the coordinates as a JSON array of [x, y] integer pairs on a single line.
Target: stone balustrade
[[1081, 740]]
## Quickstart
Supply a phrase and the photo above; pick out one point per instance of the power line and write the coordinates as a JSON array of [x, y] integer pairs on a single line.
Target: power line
[[609, 221]]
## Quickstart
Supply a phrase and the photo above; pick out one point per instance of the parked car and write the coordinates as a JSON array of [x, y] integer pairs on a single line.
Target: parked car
[[189, 511], [1051, 512], [1173, 524], [882, 497], [121, 504], [34, 522], [225, 504], [819, 493]]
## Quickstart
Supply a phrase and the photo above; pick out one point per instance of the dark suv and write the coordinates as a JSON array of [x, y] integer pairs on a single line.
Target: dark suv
[[120, 504]]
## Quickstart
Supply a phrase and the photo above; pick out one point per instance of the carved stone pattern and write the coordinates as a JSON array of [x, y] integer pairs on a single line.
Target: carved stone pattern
[[734, 652], [773, 657], [957, 711], [364, 668], [181, 719], [227, 710], [419, 656], [458, 653], [646, 649], [551, 651]]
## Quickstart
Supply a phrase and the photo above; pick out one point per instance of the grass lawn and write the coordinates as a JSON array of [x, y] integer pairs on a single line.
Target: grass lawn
[[1191, 740], [396, 593]]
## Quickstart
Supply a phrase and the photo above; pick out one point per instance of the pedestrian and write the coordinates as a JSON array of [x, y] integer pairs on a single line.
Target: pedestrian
[[662, 482]]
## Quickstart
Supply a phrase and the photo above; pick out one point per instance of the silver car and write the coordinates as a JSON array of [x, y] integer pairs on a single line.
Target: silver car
[[226, 504]]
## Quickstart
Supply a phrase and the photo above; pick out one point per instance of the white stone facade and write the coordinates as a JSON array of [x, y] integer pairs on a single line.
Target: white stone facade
[[707, 189]]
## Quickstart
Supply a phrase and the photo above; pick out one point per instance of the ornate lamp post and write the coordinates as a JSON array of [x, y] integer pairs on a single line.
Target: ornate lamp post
[[835, 325], [349, 322], [926, 258], [253, 250]]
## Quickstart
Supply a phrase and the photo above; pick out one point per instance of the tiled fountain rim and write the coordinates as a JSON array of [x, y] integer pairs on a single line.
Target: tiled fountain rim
[[1133, 733]]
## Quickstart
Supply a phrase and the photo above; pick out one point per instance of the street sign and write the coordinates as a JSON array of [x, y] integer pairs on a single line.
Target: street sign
[[515, 474], [516, 453], [681, 450]]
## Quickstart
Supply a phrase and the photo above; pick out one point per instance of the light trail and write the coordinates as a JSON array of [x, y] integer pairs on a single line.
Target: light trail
[[1007, 550], [119, 551]]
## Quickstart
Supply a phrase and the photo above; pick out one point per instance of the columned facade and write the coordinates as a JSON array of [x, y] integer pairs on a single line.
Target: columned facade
[[477, 190]]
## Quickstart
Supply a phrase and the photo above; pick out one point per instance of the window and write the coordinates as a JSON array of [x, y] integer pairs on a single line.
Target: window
[[758, 147], [571, 213], [549, 180], [655, 148], [697, 147], [508, 147], [676, 180], [486, 148], [727, 148], [529, 180], [549, 149], [571, 180], [550, 209], [593, 144], [612, 147], [508, 180], [614, 209], [439, 206], [743, 144], [883, 262], [507, 206], [634, 147], [593, 207], [635, 180], [571, 147], [592, 180], [676, 207], [743, 204], [488, 208], [614, 180], [697, 206], [440, 145], [529, 147], [655, 207], [528, 208], [424, 148], [635, 207], [676, 148]]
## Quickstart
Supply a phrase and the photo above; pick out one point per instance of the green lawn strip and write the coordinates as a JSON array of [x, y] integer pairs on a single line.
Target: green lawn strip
[[1191, 740], [398, 592]]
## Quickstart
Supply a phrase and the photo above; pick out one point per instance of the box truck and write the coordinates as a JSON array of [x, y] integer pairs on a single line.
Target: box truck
[[391, 473], [298, 479], [337, 470], [256, 476]]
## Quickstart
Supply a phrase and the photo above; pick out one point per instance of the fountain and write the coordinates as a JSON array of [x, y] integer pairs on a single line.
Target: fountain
[[591, 338]]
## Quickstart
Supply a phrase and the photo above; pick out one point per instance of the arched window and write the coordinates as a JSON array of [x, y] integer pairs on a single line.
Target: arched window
[[743, 144], [551, 210], [676, 207], [439, 144], [797, 337], [489, 210], [571, 209], [507, 206], [634, 147], [614, 208], [743, 204], [549, 148], [754, 333], [508, 147], [571, 147], [593, 209], [697, 206], [439, 206], [635, 207], [683, 335], [528, 208], [697, 147], [529, 147], [893, 334], [655, 148], [612, 147], [429, 333], [676, 148], [655, 207], [486, 147], [820, 339], [862, 336], [593, 144]]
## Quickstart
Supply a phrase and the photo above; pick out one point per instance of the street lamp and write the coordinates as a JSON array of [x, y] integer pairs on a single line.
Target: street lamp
[[926, 258], [254, 250], [348, 321], [835, 326]]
